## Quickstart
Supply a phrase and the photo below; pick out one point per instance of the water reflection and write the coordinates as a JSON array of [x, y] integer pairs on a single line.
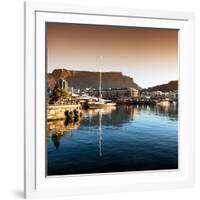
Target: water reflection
[[170, 110], [114, 116], [100, 133], [56, 140], [60, 127], [110, 116], [125, 138]]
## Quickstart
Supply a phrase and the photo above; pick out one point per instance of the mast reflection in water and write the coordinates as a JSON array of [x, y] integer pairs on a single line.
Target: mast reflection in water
[[125, 138]]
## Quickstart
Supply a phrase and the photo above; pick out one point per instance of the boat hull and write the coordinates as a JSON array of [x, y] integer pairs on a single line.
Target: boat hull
[[163, 103], [101, 105]]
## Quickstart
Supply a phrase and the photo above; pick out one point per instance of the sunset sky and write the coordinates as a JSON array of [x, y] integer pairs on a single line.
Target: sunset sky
[[149, 56]]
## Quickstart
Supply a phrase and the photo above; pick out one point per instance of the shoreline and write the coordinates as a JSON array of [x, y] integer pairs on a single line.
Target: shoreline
[[58, 112]]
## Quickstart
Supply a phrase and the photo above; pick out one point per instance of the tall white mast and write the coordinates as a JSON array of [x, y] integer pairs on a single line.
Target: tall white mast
[[100, 133], [100, 113], [100, 76]]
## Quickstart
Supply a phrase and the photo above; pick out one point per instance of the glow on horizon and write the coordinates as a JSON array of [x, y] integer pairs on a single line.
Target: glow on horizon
[[149, 56]]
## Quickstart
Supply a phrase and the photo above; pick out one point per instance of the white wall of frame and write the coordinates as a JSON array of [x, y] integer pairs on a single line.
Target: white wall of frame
[[11, 49]]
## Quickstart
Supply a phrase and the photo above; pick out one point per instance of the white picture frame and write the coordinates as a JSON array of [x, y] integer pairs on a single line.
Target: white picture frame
[[36, 184]]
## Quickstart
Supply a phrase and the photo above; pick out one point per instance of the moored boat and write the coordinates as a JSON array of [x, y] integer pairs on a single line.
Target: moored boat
[[163, 103], [101, 103]]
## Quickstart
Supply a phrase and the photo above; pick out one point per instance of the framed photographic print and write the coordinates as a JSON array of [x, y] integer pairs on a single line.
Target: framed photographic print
[[108, 100]]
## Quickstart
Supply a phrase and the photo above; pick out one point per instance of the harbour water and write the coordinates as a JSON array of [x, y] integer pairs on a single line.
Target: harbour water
[[119, 139]]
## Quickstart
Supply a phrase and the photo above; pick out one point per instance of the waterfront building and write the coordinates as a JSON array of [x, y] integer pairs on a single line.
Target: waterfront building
[[115, 93], [173, 95], [76, 91], [63, 84], [157, 94]]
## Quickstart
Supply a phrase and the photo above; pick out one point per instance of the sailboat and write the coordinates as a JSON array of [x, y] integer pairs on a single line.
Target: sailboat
[[101, 103]]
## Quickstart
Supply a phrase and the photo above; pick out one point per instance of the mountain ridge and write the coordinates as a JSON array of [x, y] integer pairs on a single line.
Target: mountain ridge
[[88, 79], [167, 87]]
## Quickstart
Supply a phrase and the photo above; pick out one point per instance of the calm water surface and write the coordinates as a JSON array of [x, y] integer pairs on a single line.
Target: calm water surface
[[126, 138]]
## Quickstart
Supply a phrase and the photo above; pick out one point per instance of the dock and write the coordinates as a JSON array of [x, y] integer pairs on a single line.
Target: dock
[[57, 112]]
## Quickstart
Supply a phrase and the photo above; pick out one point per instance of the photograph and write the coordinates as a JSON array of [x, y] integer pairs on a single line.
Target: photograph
[[111, 99]]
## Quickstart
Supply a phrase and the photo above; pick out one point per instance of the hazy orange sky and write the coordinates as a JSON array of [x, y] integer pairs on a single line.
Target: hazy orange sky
[[150, 56]]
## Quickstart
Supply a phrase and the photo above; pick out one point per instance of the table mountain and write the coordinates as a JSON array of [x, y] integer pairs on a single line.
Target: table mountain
[[88, 79]]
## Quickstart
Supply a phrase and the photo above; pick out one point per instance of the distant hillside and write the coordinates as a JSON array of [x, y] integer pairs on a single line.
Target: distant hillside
[[87, 79], [171, 86]]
